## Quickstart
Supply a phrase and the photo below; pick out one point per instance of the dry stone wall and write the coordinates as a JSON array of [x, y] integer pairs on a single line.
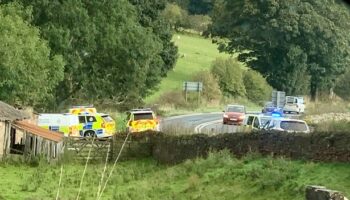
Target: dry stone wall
[[318, 146], [322, 193]]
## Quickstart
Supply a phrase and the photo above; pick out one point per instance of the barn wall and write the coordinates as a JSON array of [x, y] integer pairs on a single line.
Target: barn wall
[[2, 138]]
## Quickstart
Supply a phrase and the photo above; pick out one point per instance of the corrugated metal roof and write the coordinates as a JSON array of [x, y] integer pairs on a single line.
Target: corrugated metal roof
[[8, 112], [41, 132]]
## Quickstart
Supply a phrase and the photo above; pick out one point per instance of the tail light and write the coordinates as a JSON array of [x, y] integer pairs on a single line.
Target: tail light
[[103, 125]]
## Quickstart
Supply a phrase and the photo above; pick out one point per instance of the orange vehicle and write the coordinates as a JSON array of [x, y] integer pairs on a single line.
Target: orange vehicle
[[142, 120]]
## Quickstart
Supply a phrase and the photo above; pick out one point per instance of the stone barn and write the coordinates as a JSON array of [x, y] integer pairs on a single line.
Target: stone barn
[[19, 135]]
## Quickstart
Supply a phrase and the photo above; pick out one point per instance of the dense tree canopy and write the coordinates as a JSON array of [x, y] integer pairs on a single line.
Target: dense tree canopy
[[195, 7], [299, 45], [115, 51], [29, 71]]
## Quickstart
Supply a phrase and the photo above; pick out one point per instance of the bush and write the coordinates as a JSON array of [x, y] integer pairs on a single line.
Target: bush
[[211, 89], [230, 76], [174, 97], [256, 86]]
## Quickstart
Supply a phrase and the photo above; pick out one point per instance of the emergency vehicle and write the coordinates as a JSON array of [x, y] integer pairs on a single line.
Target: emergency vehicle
[[67, 124], [81, 121], [92, 123], [139, 120]]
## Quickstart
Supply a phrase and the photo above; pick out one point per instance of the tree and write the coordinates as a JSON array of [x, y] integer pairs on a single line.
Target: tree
[[211, 89], [299, 45], [198, 23], [342, 88], [230, 76], [29, 70], [175, 15], [150, 17], [200, 7], [115, 51], [257, 88]]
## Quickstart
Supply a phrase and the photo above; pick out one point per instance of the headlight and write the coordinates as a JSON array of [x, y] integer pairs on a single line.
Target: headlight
[[225, 116], [241, 117]]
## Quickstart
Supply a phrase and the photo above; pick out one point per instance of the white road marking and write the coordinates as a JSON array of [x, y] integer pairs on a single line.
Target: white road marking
[[188, 115], [199, 128]]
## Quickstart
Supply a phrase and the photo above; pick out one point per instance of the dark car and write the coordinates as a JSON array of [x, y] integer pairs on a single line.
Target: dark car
[[234, 114], [271, 109]]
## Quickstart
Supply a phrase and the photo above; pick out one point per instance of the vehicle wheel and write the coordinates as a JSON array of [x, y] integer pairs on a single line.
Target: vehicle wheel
[[90, 134], [224, 122]]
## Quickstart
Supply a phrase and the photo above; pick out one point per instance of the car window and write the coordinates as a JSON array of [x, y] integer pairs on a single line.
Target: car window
[[293, 126], [250, 120], [290, 100], [141, 116], [264, 121], [235, 109], [300, 101], [91, 119], [269, 104], [256, 123], [82, 119], [107, 118]]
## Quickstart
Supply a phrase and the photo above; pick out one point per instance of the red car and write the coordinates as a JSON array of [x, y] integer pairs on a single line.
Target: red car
[[234, 114]]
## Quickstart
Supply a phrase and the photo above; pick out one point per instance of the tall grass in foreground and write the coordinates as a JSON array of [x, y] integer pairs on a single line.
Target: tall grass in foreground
[[220, 176]]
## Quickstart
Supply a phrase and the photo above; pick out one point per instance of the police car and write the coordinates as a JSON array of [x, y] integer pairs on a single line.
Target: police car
[[81, 121], [287, 125], [139, 120]]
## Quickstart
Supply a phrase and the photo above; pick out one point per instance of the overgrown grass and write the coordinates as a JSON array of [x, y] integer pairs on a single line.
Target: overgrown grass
[[220, 176], [332, 126], [195, 54], [337, 106]]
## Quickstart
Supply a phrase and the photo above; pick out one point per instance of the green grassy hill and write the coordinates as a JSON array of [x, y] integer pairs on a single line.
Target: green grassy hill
[[195, 54]]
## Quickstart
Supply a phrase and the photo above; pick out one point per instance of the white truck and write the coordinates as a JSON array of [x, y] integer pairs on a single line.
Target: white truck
[[294, 105]]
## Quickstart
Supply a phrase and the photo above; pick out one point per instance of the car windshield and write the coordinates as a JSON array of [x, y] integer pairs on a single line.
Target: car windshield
[[265, 120], [235, 109], [142, 116], [293, 126], [107, 118], [269, 104]]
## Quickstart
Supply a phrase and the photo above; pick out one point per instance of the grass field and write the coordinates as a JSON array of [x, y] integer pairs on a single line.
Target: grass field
[[220, 176], [195, 54]]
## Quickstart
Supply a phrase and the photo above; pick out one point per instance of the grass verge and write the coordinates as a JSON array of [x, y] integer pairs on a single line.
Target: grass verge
[[220, 176]]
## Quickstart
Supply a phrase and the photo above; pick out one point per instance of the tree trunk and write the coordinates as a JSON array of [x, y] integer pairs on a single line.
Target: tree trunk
[[313, 92], [331, 93]]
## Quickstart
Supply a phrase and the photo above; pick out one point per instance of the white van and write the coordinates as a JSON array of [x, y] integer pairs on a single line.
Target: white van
[[67, 124], [294, 104]]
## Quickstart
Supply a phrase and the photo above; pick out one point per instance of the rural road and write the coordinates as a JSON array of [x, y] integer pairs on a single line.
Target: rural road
[[198, 123], [208, 123]]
